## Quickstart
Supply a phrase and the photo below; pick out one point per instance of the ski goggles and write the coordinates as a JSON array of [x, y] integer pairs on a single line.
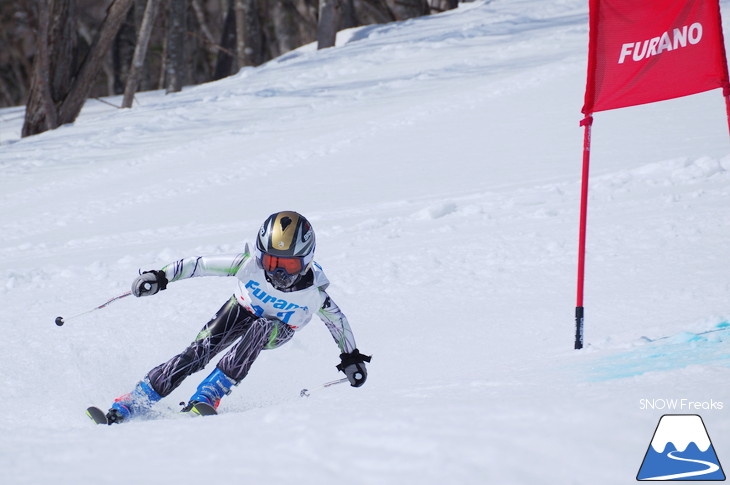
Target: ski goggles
[[292, 265]]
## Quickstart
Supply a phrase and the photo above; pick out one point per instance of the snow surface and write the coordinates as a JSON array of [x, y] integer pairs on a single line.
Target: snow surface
[[439, 160]]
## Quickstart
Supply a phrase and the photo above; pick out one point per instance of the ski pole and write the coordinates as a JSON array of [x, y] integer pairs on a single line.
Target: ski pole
[[60, 320], [305, 392]]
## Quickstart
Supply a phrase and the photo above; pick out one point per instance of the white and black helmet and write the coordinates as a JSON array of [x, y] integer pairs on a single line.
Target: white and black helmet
[[285, 248]]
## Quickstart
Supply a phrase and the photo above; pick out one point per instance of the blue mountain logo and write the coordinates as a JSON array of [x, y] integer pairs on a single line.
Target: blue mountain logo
[[681, 450]]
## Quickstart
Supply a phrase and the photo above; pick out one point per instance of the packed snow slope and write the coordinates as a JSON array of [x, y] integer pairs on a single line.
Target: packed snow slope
[[439, 162]]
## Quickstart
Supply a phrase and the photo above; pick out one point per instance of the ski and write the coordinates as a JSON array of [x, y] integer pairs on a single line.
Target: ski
[[199, 409], [203, 409], [96, 415]]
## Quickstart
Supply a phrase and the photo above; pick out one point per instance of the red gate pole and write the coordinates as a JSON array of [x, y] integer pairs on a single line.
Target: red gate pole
[[586, 123], [726, 94]]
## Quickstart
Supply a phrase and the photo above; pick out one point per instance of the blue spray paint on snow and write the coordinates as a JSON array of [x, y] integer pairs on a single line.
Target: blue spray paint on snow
[[666, 353]]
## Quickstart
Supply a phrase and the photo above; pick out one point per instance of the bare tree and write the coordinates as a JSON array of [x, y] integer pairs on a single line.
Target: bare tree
[[373, 12], [74, 100], [405, 9], [140, 52], [290, 24], [42, 70], [349, 14], [123, 48], [67, 96], [240, 32], [328, 25], [443, 5], [175, 58], [249, 34], [53, 51], [52, 66], [17, 20], [226, 53], [210, 42]]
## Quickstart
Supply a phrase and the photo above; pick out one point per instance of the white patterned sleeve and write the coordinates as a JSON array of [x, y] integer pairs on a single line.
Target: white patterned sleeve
[[337, 323], [204, 266]]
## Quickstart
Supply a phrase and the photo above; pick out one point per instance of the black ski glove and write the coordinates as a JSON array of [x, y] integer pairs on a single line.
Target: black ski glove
[[353, 365], [149, 283]]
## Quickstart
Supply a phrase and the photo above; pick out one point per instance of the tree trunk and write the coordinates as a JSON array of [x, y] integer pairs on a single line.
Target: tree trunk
[[140, 52], [60, 40], [53, 65], [42, 69], [329, 19], [288, 26], [224, 65], [210, 43], [443, 5], [176, 28], [250, 48], [406, 9], [74, 100], [240, 33], [349, 15], [16, 63], [373, 12], [123, 50]]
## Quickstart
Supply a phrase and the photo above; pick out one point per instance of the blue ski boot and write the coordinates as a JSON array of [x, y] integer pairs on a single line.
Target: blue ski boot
[[211, 390], [136, 403]]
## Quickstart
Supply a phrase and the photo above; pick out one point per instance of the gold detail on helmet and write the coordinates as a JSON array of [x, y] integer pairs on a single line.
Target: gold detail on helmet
[[283, 233]]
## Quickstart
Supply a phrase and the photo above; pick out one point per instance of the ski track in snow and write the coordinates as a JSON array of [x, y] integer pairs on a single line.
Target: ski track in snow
[[439, 162]]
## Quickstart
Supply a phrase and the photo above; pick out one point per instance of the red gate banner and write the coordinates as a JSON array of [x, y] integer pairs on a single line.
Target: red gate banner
[[642, 51]]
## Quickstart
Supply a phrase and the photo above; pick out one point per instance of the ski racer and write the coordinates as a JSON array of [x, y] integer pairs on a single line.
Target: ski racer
[[280, 287]]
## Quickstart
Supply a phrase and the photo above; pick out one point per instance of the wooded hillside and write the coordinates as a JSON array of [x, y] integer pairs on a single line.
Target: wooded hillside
[[57, 53]]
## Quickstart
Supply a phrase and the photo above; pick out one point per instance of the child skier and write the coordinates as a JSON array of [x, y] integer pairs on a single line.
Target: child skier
[[279, 289]]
